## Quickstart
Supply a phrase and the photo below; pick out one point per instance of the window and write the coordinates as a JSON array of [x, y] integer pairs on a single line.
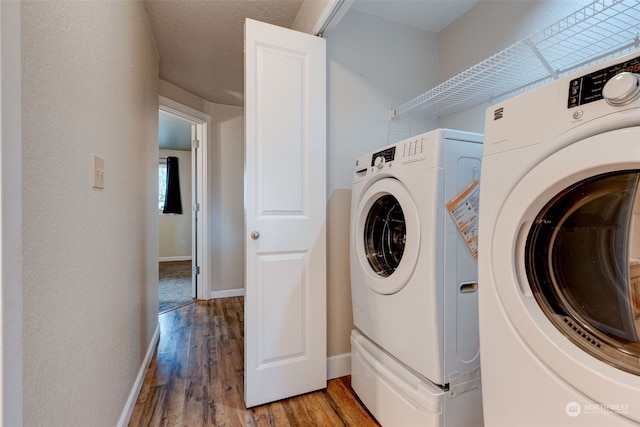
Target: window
[[162, 184], [169, 201]]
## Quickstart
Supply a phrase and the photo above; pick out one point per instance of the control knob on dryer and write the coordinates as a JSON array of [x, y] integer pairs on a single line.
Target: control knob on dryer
[[379, 162], [622, 88]]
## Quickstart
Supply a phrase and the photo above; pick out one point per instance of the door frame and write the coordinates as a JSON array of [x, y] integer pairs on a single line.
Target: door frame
[[201, 245]]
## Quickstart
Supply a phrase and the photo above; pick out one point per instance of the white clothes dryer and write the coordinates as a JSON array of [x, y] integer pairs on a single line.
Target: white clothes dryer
[[559, 252], [414, 279]]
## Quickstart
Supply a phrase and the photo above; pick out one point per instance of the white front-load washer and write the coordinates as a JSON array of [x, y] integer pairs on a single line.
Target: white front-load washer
[[559, 252], [414, 280]]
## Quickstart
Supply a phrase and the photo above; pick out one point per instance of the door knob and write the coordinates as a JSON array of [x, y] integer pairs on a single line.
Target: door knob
[[255, 235]]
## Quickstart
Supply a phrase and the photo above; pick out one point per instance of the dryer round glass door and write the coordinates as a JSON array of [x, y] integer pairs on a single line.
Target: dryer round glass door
[[582, 261], [386, 236]]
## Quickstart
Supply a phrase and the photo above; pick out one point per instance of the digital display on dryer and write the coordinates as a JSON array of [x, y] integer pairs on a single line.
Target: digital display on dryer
[[389, 154], [588, 88]]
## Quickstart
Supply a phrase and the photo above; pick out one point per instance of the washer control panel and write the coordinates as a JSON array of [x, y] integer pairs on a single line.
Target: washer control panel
[[590, 87], [381, 157]]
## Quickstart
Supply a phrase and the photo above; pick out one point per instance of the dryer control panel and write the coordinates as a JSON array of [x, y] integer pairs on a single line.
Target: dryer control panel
[[588, 88]]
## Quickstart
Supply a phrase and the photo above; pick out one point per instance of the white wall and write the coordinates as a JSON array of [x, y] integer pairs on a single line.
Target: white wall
[[373, 65], [174, 239], [486, 29], [89, 74]]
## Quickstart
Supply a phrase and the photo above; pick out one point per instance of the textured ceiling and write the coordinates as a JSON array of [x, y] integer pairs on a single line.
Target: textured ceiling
[[200, 43]]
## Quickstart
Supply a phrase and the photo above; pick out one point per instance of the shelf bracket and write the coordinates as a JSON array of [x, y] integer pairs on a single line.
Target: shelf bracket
[[544, 62]]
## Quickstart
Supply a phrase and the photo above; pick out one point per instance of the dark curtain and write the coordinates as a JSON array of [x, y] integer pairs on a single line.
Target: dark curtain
[[172, 202]]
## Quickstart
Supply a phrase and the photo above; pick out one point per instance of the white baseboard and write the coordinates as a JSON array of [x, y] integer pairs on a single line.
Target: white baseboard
[[227, 293], [338, 366], [137, 386], [175, 258]]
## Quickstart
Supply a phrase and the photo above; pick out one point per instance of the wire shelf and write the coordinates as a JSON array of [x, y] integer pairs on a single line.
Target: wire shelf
[[598, 32]]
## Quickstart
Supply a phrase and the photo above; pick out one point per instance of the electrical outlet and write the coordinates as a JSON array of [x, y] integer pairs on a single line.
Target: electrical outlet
[[98, 172]]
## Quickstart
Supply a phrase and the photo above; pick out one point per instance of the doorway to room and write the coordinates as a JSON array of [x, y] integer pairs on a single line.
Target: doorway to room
[[175, 287], [182, 246]]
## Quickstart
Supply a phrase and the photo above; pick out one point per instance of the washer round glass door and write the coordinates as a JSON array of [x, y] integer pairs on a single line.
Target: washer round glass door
[[387, 236], [581, 259]]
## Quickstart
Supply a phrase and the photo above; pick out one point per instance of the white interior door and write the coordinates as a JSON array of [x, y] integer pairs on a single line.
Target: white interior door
[[285, 208]]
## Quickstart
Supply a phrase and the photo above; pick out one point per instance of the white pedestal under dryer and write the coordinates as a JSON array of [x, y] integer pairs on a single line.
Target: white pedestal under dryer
[[415, 352], [560, 252]]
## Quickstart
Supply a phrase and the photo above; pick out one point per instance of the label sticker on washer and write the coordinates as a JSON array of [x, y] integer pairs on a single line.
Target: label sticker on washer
[[464, 210]]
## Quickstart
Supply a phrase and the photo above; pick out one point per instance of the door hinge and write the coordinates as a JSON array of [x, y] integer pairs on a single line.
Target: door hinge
[[195, 207], [195, 144], [195, 270]]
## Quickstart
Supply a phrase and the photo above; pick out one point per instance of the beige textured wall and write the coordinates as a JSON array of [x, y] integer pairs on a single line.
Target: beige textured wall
[[231, 212], [90, 275], [226, 173], [11, 374]]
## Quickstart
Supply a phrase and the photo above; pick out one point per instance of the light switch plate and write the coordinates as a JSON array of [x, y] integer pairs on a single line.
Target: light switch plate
[[98, 172]]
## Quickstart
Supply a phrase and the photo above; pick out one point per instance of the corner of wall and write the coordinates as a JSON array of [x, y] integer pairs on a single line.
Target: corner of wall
[[180, 95]]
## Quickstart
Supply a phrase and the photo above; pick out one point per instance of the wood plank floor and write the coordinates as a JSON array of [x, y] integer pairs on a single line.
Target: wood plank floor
[[196, 378]]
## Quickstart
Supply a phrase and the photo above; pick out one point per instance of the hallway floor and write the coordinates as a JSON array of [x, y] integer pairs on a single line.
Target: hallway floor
[[174, 285], [196, 378]]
